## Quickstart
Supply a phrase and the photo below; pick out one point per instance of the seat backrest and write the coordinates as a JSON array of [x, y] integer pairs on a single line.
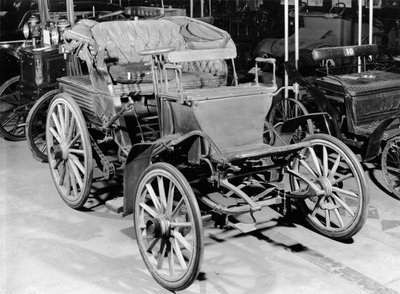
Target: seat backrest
[[124, 40], [344, 51]]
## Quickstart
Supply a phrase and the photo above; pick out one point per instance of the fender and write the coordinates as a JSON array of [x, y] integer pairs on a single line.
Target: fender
[[373, 144], [139, 159], [292, 124]]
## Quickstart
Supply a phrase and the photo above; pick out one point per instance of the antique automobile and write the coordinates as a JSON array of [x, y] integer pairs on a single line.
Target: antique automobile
[[155, 112], [363, 103]]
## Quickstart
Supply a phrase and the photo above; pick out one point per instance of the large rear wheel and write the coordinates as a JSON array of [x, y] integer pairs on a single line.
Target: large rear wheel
[[168, 226], [69, 150], [330, 184], [14, 108]]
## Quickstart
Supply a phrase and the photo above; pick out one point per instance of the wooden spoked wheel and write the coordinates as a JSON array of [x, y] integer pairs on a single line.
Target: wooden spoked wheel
[[331, 177], [14, 108], [285, 109], [69, 150], [390, 162], [168, 226], [35, 126]]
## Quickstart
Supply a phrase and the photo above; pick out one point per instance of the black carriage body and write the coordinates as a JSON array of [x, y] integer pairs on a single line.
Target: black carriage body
[[40, 69], [368, 98]]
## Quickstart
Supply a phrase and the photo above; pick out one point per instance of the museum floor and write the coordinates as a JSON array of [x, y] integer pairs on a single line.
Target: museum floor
[[47, 247]]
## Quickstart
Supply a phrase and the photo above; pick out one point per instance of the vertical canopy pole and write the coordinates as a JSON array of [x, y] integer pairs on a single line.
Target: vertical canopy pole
[[360, 3], [201, 8], [191, 8], [371, 20], [286, 18], [43, 11], [70, 12], [296, 32], [209, 8], [296, 40]]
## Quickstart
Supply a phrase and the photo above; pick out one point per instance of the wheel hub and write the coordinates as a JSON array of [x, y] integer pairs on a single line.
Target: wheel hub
[[59, 152], [158, 227], [325, 185]]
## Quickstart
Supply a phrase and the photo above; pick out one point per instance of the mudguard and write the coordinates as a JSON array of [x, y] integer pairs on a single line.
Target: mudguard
[[373, 144], [139, 159], [320, 118]]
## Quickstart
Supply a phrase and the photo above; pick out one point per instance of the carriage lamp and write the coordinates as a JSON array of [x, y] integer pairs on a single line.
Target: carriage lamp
[[62, 25], [32, 29]]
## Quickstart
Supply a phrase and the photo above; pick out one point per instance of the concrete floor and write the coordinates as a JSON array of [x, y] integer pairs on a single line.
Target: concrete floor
[[47, 247]]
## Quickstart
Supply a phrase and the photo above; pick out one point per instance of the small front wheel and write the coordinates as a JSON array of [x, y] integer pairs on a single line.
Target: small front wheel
[[168, 226], [330, 182]]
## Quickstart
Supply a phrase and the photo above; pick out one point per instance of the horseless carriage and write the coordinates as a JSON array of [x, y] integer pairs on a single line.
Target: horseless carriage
[[156, 110], [363, 103]]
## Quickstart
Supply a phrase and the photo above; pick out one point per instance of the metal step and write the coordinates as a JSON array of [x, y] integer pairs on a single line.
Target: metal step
[[116, 205]]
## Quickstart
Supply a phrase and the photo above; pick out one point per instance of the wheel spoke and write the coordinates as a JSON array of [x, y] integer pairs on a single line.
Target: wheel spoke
[[177, 209], [343, 204], [55, 134], [178, 253], [77, 163], [152, 244], [315, 160], [345, 192], [71, 129], [339, 217], [325, 161], [62, 174], [74, 140], [77, 151], [171, 193], [66, 121], [181, 225], [73, 181], [171, 262], [57, 123], [161, 190], [68, 181], [76, 173], [148, 209], [5, 123], [178, 236], [62, 121], [341, 179], [334, 168], [307, 167], [327, 218], [16, 125], [154, 198], [161, 254]]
